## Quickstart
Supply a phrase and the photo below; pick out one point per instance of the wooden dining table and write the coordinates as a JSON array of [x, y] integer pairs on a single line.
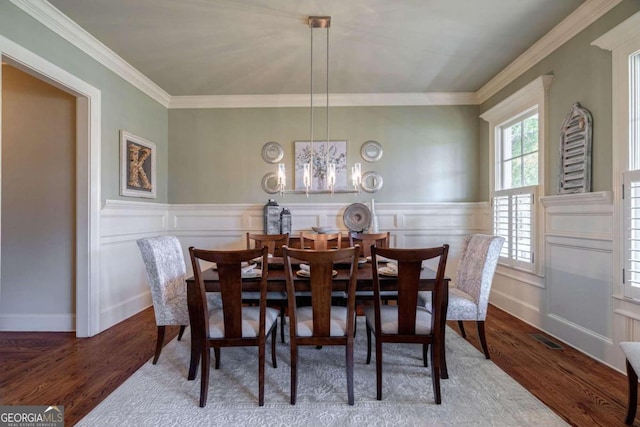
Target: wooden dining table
[[276, 282]]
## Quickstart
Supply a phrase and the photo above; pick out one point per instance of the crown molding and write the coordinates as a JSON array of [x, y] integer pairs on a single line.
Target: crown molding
[[526, 96], [581, 18], [621, 34], [335, 100], [52, 18], [56, 21]]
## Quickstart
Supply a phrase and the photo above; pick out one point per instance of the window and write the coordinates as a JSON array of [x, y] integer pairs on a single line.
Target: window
[[516, 144], [631, 179], [624, 43]]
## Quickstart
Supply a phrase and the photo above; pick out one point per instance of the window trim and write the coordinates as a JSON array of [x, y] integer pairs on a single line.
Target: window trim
[[532, 95]]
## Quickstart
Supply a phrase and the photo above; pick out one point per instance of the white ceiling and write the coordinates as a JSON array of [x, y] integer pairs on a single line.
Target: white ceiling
[[262, 47]]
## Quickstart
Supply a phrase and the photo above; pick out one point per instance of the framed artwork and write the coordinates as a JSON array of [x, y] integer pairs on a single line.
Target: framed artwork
[[320, 154], [137, 166]]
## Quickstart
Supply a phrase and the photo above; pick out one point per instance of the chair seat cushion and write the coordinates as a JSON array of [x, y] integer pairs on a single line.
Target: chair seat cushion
[[461, 305], [631, 351], [255, 296], [389, 319], [250, 321], [304, 321]]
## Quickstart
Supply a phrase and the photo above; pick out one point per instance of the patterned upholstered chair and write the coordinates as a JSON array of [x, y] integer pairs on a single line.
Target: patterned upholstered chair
[[166, 271], [469, 297]]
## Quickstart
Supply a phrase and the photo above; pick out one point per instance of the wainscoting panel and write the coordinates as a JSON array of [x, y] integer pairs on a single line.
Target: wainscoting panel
[[123, 284], [578, 303]]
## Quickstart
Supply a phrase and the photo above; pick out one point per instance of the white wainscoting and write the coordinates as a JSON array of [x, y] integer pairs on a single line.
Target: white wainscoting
[[573, 301], [123, 284]]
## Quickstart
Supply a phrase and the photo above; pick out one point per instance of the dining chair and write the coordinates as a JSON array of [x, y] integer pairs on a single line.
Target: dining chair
[[469, 296], [272, 242], [366, 240], [631, 351], [321, 323], [234, 325], [406, 322], [320, 241], [166, 273]]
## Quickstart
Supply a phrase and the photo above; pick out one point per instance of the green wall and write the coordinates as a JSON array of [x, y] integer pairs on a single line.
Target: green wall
[[582, 73], [123, 106], [430, 153]]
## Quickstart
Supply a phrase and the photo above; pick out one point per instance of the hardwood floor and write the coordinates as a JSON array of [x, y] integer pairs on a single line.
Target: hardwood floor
[[57, 368]]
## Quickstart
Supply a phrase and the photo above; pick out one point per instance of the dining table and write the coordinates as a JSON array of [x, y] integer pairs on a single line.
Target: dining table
[[276, 282]]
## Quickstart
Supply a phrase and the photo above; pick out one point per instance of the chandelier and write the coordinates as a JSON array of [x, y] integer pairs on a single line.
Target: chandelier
[[329, 165]]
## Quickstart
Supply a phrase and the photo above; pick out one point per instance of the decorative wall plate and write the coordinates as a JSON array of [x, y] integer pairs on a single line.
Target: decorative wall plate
[[270, 183], [357, 217], [371, 181], [272, 152], [371, 151]]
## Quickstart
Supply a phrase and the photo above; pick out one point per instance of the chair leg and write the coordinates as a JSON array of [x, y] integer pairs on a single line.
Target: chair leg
[[159, 342], [216, 351], [204, 375], [193, 365], [633, 394], [378, 369], [349, 356], [368, 343], [435, 370], [461, 326], [274, 363], [425, 358], [182, 328], [261, 357], [483, 339], [294, 372]]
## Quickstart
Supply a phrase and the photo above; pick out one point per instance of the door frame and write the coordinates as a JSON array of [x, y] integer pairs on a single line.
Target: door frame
[[87, 191]]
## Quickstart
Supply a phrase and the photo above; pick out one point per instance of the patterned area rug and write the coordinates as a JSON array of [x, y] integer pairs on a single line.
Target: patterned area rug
[[477, 392]]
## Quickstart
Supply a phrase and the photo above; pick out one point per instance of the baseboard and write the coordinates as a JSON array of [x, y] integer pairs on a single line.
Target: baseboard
[[119, 312], [36, 322]]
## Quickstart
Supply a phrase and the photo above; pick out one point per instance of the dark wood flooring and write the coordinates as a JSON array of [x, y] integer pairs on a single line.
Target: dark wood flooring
[[57, 368]]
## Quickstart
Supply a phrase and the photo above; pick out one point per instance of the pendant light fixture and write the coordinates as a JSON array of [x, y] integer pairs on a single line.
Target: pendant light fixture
[[329, 166]]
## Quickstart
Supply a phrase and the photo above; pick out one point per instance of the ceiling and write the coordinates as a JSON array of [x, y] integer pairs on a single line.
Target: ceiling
[[262, 47]]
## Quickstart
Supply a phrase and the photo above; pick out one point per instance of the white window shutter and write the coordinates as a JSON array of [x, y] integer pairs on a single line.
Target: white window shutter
[[632, 234]]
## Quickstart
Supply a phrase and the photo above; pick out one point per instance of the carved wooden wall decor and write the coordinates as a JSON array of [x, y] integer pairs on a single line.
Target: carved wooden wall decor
[[575, 151]]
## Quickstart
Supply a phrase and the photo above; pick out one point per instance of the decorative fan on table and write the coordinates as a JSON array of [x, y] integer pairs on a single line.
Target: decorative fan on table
[[357, 217]]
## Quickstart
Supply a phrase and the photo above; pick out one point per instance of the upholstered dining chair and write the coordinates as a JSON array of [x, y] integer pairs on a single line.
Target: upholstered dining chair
[[469, 296], [272, 242], [631, 351], [320, 241], [166, 272], [233, 325], [406, 322], [321, 323]]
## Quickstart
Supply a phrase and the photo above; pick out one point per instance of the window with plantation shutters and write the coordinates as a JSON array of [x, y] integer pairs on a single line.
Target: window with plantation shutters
[[513, 219], [517, 173], [631, 179]]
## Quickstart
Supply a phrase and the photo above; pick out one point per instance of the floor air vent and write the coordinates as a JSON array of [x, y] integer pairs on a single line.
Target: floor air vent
[[546, 341]]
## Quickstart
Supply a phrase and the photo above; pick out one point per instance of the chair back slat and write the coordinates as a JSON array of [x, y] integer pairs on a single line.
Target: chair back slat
[[366, 240], [320, 242], [321, 266], [273, 242]]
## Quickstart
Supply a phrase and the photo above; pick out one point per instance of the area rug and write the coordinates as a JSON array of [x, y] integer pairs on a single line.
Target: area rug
[[477, 392]]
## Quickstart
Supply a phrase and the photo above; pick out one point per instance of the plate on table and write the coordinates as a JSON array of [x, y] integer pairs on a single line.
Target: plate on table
[[252, 274], [305, 273], [386, 271], [362, 261], [381, 259]]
